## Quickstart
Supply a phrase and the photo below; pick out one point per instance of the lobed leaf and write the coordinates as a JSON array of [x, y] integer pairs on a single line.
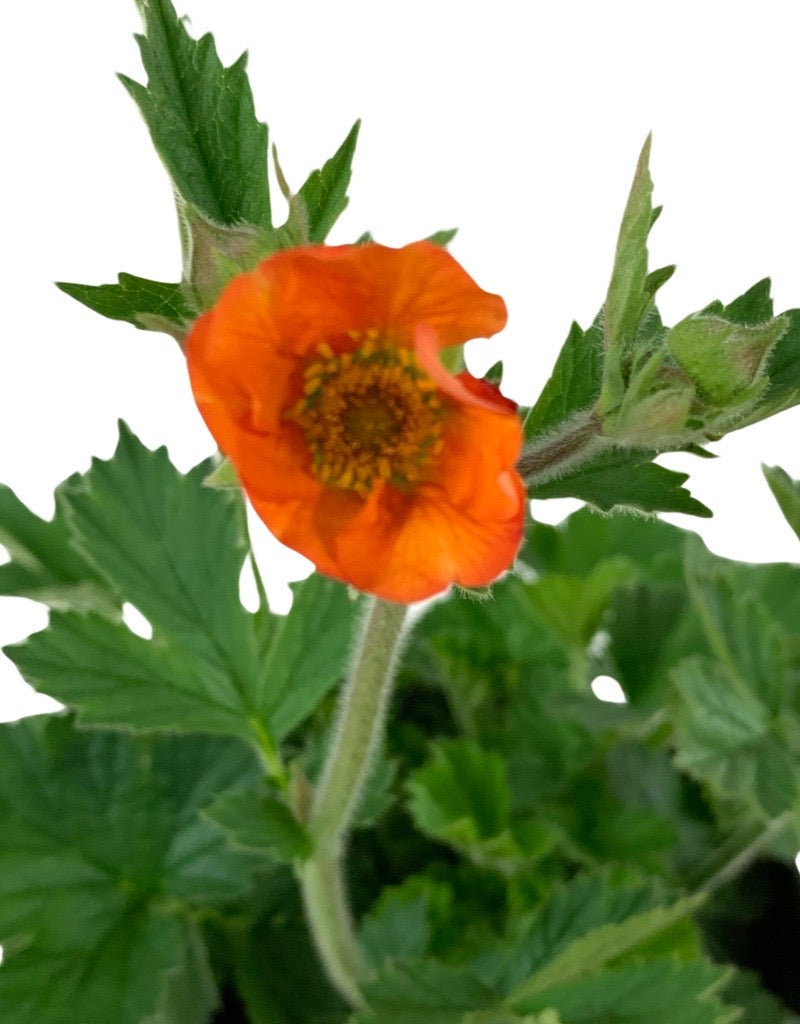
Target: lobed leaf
[[202, 120], [102, 860]]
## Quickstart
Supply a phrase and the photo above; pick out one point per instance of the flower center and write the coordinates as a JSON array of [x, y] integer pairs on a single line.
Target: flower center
[[370, 414]]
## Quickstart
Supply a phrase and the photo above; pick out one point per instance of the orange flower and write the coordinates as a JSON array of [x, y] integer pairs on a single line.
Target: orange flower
[[318, 375]]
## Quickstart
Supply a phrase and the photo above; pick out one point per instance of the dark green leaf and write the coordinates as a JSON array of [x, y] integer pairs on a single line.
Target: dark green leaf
[[574, 383], [461, 796], [423, 990], [44, 565], [600, 947], [571, 913], [202, 120], [102, 859], [257, 820], [324, 193], [149, 305], [655, 992], [396, 927], [616, 478]]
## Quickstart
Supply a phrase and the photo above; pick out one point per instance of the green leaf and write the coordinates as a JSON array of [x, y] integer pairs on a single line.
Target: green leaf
[[571, 913], [309, 651], [602, 946], [623, 308], [171, 547], [787, 494], [202, 120], [174, 548], [655, 992], [396, 927], [575, 546], [461, 797], [103, 862], [574, 383], [44, 566], [725, 739], [324, 193], [115, 678], [740, 631], [574, 605], [616, 478], [423, 990], [257, 820], [149, 305]]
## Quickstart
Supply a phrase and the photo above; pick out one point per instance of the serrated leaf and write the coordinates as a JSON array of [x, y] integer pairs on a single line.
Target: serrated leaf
[[787, 493], [655, 992], [44, 566], [573, 385], [616, 478], [424, 990], [257, 820], [725, 739], [102, 858], [461, 797], [148, 305], [603, 946], [740, 631], [172, 548], [308, 652], [628, 298], [324, 193], [202, 120], [115, 678], [571, 912]]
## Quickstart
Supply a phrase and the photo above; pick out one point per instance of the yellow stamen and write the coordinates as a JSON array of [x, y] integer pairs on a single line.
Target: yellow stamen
[[369, 415]]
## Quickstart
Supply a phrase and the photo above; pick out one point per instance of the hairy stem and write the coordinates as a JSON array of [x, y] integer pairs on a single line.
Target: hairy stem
[[358, 732], [547, 457]]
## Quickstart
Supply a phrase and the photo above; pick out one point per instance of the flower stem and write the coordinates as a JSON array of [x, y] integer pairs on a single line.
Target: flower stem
[[358, 732]]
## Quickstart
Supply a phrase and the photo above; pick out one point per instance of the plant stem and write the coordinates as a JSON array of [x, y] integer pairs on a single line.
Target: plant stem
[[545, 458], [358, 732]]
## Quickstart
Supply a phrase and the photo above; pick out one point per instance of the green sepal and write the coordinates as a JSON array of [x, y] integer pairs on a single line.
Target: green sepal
[[725, 360], [443, 238]]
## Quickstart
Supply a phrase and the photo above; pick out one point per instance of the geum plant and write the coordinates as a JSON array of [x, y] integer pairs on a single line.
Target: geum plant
[[335, 815]]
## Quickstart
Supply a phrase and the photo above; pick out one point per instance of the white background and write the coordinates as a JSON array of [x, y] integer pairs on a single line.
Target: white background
[[518, 122]]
